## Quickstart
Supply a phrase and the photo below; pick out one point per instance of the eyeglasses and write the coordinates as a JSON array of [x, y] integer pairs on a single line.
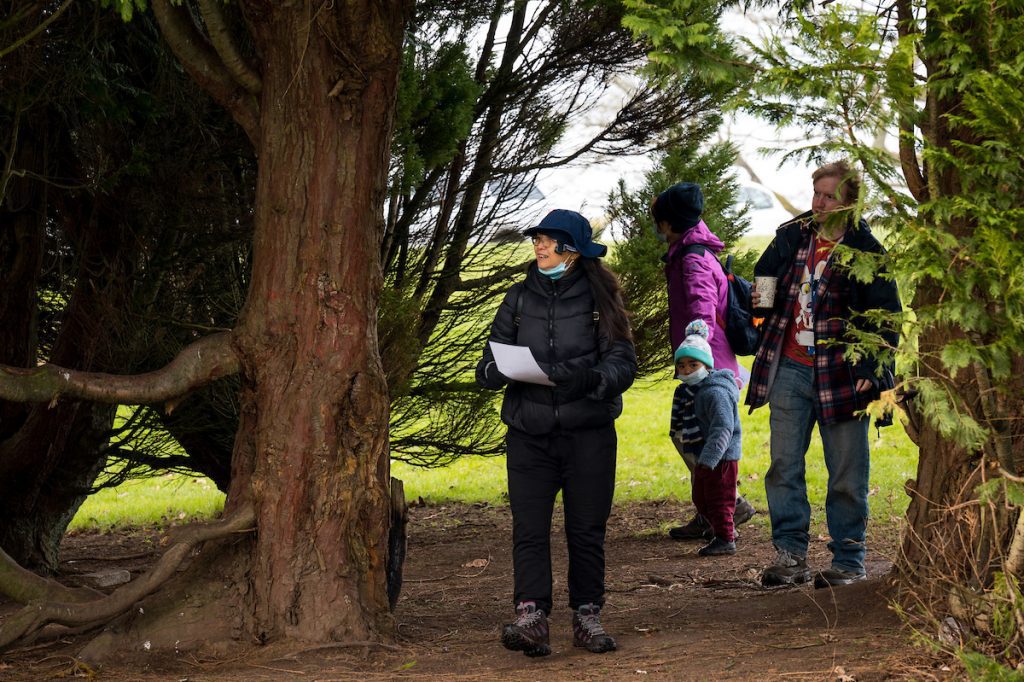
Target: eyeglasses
[[548, 242]]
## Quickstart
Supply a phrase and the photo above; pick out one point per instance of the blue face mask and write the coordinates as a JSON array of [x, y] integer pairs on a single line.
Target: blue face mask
[[555, 272], [659, 235], [693, 378]]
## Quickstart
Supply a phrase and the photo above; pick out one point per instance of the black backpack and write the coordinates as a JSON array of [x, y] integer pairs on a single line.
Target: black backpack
[[739, 322]]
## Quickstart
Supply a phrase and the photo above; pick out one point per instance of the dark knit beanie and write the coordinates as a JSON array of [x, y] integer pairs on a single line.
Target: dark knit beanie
[[681, 205]]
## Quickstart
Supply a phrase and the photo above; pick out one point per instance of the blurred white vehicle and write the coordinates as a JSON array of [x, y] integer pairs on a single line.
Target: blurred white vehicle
[[764, 210]]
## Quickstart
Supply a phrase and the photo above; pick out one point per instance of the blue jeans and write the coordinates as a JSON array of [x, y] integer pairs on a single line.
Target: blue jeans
[[793, 416]]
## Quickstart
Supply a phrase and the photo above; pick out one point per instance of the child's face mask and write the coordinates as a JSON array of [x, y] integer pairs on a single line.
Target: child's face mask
[[694, 377], [691, 371]]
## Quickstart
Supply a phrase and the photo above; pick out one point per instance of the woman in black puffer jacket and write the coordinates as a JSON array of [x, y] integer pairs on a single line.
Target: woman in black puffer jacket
[[569, 312]]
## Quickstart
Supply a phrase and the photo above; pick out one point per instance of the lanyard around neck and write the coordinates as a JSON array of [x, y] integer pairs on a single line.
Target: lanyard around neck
[[813, 283]]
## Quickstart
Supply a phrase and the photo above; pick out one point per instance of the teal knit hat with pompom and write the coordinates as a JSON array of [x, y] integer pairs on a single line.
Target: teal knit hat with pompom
[[696, 345]]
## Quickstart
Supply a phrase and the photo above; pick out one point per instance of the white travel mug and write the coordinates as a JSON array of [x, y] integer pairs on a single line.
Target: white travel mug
[[765, 287]]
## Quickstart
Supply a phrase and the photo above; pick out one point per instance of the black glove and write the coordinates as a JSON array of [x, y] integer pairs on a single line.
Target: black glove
[[571, 386], [492, 374]]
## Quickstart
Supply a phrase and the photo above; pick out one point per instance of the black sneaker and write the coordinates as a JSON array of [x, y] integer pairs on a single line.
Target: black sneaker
[[587, 631], [744, 512], [718, 547], [788, 569], [529, 633], [834, 577], [697, 529]]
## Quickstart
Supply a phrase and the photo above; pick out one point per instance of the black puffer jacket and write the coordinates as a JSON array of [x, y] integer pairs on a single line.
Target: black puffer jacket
[[557, 322]]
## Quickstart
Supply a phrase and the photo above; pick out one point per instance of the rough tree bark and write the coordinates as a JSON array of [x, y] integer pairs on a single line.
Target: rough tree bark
[[307, 337], [953, 543], [311, 454]]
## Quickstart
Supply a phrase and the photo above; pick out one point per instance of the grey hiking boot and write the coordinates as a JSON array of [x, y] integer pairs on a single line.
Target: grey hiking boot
[[718, 547], [529, 632], [698, 528], [834, 577], [788, 569], [587, 631], [744, 512]]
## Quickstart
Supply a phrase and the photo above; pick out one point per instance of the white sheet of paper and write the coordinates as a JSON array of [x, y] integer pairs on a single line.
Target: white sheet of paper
[[518, 363]]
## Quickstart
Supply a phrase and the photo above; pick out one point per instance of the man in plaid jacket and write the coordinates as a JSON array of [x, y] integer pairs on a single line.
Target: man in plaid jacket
[[801, 372]]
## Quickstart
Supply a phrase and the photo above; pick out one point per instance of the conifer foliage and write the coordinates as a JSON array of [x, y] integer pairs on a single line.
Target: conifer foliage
[[926, 97]]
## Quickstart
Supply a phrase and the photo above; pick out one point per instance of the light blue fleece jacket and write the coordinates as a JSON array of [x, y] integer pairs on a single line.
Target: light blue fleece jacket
[[715, 404]]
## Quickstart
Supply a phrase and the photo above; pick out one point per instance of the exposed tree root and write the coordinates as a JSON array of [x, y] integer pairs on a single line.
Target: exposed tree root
[[50, 602], [25, 587]]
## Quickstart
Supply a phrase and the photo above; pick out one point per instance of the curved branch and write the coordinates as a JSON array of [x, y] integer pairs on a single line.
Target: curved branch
[[24, 586], [37, 614], [220, 37], [205, 67], [196, 365]]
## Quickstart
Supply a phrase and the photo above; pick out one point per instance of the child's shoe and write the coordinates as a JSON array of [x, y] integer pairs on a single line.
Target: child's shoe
[[529, 632], [718, 547], [587, 631], [697, 528]]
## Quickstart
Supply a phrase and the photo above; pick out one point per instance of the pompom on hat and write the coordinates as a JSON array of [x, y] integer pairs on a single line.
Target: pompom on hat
[[696, 345]]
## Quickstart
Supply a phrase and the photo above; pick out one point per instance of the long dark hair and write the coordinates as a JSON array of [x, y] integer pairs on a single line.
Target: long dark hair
[[608, 297]]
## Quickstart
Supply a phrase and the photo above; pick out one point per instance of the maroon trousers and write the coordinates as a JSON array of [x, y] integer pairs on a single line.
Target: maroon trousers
[[714, 495]]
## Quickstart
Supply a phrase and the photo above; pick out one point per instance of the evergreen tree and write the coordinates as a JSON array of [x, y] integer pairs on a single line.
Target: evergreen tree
[[944, 78]]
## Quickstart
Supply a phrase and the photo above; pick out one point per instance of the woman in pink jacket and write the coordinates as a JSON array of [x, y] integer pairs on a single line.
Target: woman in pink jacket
[[697, 289]]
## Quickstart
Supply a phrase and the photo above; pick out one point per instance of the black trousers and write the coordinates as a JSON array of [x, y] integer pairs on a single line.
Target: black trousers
[[581, 464]]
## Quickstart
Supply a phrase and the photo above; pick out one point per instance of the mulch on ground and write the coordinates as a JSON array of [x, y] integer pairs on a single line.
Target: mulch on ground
[[676, 615]]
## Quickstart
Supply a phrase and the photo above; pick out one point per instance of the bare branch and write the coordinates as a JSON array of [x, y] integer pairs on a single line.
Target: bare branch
[[37, 30], [205, 67], [220, 37], [489, 280], [39, 614], [196, 365]]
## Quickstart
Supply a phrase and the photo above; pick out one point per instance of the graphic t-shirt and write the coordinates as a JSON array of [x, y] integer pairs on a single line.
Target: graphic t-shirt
[[800, 331]]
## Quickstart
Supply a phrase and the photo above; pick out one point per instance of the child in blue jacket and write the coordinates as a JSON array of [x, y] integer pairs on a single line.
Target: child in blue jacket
[[705, 421]]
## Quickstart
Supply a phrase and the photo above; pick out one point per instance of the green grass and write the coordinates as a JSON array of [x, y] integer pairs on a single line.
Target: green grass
[[158, 501], [648, 469]]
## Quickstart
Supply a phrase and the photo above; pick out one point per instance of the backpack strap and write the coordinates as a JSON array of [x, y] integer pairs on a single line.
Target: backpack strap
[[519, 307], [700, 250]]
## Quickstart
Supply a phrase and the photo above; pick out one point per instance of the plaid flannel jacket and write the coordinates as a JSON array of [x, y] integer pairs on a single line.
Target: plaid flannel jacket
[[838, 299]]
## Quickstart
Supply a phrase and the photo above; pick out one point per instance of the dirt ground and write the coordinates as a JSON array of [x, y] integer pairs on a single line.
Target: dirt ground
[[676, 616]]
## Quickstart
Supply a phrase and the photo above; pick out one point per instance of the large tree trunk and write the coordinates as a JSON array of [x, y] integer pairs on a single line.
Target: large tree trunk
[[956, 542], [315, 463]]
